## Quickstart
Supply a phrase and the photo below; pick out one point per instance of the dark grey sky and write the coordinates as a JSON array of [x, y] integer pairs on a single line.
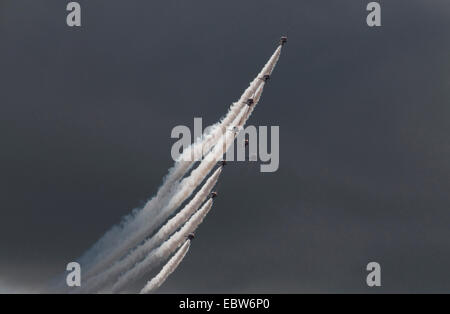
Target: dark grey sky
[[86, 116]]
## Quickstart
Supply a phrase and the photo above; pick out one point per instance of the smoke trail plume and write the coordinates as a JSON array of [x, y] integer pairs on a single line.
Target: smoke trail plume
[[190, 183], [134, 228], [163, 233], [104, 252], [168, 269], [161, 253]]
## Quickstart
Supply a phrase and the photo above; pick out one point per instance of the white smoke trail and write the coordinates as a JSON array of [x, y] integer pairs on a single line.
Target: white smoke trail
[[167, 270], [165, 250], [255, 89], [116, 242], [186, 187], [163, 233]]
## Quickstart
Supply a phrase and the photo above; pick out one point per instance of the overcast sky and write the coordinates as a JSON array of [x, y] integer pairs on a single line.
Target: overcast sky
[[86, 115]]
